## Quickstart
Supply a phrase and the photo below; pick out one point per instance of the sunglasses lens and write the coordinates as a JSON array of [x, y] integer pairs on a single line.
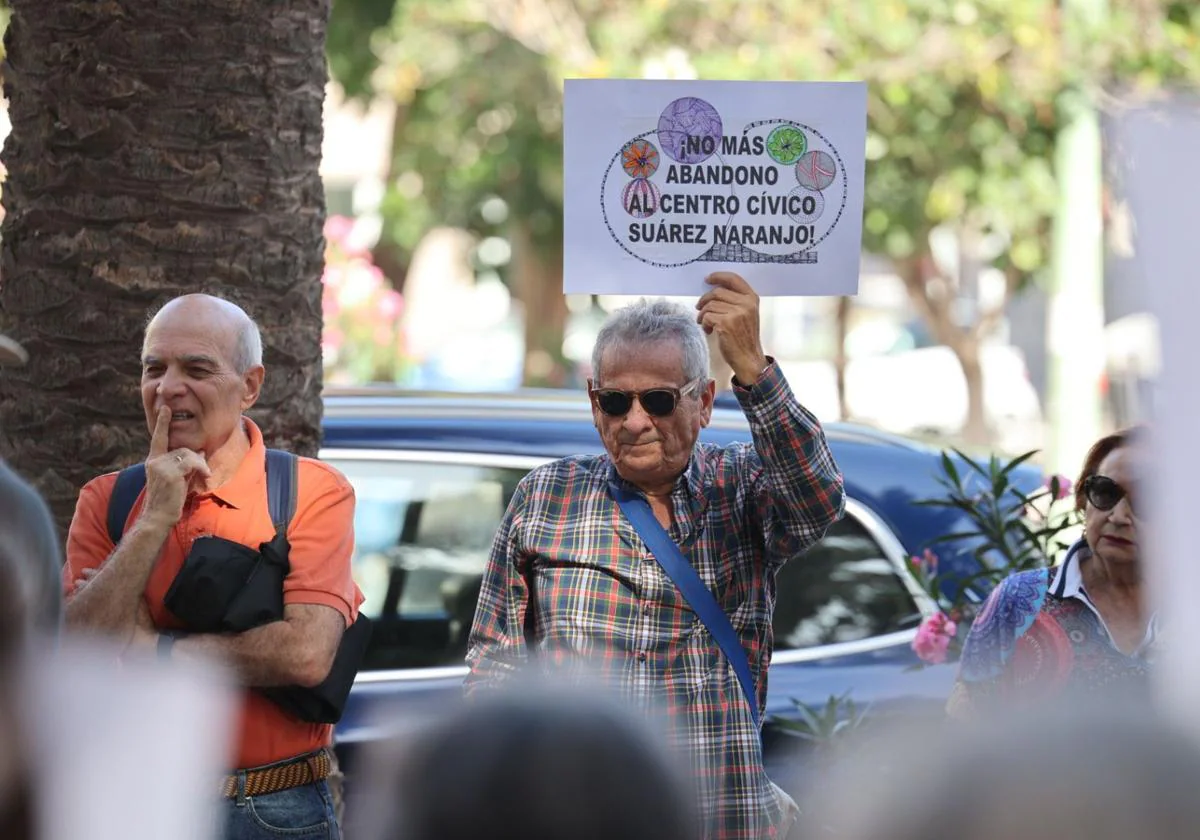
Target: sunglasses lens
[[616, 403], [1104, 493], [658, 402]]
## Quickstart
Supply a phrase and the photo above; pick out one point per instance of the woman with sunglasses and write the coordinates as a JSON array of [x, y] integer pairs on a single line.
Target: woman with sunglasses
[[1082, 627]]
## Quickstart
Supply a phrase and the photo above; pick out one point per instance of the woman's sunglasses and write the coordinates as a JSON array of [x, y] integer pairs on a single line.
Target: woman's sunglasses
[[657, 402], [1103, 493]]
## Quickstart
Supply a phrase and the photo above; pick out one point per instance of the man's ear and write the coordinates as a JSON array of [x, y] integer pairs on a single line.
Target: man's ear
[[252, 382], [707, 396]]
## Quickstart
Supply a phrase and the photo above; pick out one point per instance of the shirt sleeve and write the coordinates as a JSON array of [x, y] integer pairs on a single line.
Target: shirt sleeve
[[795, 479], [88, 545], [1007, 613], [496, 647], [321, 542]]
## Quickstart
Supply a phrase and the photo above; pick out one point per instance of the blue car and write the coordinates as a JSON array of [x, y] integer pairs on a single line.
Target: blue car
[[433, 475]]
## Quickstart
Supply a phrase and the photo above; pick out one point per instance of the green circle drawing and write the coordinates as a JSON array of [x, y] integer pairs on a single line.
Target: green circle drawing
[[786, 143]]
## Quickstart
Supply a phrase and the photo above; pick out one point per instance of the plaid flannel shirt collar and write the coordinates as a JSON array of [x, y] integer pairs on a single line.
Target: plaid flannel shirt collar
[[691, 479]]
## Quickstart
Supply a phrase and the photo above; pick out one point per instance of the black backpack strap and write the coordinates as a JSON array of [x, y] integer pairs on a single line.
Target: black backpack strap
[[282, 477], [127, 488]]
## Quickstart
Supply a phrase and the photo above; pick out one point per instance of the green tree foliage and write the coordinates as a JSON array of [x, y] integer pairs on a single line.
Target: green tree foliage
[[965, 102]]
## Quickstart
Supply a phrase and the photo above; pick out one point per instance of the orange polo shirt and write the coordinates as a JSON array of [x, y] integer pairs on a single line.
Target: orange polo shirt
[[321, 535]]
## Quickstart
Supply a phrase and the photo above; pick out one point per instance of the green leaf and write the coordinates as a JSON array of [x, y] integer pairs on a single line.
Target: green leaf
[[1020, 459], [950, 470]]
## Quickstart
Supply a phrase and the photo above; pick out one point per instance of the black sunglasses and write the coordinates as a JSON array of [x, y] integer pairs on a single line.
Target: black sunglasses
[[657, 402], [1103, 493]]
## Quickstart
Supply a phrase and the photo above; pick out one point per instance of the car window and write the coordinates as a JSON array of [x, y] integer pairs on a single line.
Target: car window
[[842, 589], [422, 534]]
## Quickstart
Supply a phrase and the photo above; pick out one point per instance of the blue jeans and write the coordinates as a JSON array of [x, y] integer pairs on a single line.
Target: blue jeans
[[300, 812]]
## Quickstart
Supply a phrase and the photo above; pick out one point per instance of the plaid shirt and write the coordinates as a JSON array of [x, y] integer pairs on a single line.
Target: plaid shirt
[[604, 608]]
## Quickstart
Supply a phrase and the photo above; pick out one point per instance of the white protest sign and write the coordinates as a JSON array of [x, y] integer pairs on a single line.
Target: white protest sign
[[668, 181]]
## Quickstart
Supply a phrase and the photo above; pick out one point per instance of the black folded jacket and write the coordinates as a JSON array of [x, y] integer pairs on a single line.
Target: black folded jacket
[[227, 587]]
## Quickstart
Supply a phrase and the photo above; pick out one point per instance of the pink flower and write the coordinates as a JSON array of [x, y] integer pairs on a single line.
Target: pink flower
[[933, 638], [927, 562], [391, 304], [337, 228], [1060, 486]]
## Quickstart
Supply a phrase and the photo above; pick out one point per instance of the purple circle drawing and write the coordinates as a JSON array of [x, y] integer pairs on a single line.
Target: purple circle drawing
[[689, 130], [640, 198], [816, 170], [639, 159], [805, 206], [786, 143]]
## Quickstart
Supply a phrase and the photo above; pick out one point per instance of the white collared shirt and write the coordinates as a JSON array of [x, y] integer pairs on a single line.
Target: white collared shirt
[[1067, 582]]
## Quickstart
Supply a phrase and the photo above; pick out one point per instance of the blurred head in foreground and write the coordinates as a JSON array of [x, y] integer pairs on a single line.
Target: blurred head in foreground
[[557, 766], [1063, 773]]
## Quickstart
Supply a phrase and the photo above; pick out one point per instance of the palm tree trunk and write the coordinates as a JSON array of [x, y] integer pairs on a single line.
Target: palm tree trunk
[[158, 147]]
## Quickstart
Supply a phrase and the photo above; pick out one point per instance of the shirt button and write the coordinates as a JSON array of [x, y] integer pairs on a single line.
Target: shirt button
[[641, 656]]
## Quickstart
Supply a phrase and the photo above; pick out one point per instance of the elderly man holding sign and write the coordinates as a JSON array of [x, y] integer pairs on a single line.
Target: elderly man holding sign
[[652, 567]]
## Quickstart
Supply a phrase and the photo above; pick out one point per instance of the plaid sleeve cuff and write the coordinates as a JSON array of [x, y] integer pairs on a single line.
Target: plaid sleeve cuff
[[768, 394]]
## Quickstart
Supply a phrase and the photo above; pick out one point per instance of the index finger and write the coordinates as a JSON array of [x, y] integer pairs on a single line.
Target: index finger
[[162, 430], [729, 280]]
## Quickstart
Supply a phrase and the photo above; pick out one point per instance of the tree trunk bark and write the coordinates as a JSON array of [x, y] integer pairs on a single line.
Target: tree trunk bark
[[537, 284], [976, 431], [839, 360], [158, 147], [965, 344]]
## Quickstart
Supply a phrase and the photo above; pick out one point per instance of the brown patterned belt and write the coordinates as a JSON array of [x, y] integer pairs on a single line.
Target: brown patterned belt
[[293, 772]]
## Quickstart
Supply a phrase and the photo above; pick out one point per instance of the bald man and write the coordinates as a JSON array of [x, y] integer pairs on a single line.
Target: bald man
[[205, 467]]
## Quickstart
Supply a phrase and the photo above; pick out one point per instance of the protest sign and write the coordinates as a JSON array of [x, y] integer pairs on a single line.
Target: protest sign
[[668, 181]]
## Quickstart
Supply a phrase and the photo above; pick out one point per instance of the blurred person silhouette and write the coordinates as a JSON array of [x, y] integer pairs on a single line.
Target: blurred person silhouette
[[540, 764], [30, 555], [30, 611], [1052, 771], [1083, 626], [217, 548], [654, 564]]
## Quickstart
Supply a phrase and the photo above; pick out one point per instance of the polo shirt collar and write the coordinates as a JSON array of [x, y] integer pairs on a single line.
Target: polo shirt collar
[[1068, 583], [246, 486]]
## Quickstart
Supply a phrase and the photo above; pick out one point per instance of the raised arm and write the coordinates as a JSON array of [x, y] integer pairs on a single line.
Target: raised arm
[[796, 483]]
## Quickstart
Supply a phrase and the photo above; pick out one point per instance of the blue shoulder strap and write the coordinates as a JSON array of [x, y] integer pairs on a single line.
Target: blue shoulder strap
[[282, 469], [680, 571], [128, 487]]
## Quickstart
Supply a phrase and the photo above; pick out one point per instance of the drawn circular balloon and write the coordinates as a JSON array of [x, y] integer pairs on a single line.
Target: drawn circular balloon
[[639, 159], [641, 198], [816, 170], [805, 206], [689, 130], [786, 144]]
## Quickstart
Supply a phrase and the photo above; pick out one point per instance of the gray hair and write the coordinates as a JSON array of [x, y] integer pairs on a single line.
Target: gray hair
[[247, 350], [649, 321]]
